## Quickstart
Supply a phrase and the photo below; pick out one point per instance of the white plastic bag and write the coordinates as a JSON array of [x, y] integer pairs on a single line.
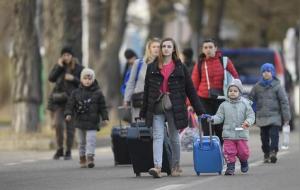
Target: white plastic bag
[[285, 136]]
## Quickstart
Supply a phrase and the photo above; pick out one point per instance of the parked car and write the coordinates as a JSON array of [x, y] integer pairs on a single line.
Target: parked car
[[248, 61]]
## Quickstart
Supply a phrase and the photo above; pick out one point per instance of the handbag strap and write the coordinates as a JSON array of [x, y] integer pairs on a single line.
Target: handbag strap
[[206, 73]]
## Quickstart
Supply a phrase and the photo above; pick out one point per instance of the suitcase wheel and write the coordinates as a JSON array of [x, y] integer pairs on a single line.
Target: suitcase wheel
[[220, 172], [137, 174], [198, 173]]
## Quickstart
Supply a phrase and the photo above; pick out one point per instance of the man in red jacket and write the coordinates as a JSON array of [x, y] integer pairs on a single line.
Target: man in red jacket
[[208, 77]]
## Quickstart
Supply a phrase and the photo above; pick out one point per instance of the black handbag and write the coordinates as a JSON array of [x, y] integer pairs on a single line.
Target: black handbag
[[59, 97], [215, 93], [137, 99], [212, 92]]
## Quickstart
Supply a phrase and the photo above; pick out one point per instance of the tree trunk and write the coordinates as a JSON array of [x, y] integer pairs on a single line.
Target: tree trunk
[[72, 26], [159, 12], [156, 25], [27, 94], [52, 42], [108, 73], [195, 18], [95, 11], [215, 20]]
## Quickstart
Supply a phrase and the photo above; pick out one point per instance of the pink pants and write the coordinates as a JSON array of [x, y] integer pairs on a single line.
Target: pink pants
[[236, 148]]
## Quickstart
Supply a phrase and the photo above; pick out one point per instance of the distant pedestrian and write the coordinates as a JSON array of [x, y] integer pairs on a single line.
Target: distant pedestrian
[[272, 110], [135, 86], [188, 59], [130, 56], [66, 76], [237, 114], [86, 108]]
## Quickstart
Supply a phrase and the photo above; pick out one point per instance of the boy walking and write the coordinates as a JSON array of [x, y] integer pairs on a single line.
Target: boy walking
[[84, 108], [237, 114], [272, 110]]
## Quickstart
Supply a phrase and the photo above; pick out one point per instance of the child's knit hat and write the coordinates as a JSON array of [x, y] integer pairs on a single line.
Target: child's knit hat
[[268, 67], [238, 84], [87, 72]]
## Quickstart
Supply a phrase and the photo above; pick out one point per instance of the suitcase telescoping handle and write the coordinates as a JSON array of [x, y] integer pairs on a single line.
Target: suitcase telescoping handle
[[200, 131], [136, 119]]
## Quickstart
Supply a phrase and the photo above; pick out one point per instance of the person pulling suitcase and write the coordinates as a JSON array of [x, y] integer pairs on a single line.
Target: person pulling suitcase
[[167, 84], [237, 114]]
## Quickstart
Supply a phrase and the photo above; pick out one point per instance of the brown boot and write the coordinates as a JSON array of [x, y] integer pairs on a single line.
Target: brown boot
[[90, 159], [176, 171], [82, 161], [155, 172], [179, 170]]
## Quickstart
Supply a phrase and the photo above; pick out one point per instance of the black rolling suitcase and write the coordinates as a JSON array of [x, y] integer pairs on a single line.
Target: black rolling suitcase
[[141, 149], [119, 145]]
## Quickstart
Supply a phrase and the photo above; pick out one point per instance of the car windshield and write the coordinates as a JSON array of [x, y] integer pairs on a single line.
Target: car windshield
[[248, 62]]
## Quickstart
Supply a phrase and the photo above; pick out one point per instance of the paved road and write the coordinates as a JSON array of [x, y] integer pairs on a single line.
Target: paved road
[[36, 171]]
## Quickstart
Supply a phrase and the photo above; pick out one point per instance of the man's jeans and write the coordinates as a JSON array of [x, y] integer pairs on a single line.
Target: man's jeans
[[158, 138], [87, 142]]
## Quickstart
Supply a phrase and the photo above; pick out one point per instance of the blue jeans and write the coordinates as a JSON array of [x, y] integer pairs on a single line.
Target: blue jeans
[[268, 133], [158, 138]]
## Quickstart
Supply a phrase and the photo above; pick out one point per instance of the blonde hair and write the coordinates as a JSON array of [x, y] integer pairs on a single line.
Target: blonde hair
[[175, 53], [148, 56]]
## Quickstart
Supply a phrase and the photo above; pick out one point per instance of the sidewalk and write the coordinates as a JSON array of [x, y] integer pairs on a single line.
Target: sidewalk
[[10, 141]]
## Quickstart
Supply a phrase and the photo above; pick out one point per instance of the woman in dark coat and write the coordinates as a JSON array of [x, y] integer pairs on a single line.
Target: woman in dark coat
[[167, 84], [66, 77]]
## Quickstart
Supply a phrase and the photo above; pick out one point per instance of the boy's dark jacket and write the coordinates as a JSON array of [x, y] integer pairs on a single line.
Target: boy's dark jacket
[[91, 118]]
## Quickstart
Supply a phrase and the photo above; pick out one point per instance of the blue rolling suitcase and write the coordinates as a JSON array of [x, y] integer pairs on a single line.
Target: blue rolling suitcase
[[207, 153]]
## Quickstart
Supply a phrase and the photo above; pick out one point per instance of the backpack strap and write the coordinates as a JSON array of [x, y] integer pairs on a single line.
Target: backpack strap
[[140, 63]]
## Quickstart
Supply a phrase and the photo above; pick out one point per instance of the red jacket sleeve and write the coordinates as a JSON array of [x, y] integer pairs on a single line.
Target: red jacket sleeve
[[232, 70], [195, 76]]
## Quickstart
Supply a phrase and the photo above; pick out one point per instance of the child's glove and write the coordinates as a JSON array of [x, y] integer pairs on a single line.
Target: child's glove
[[206, 116]]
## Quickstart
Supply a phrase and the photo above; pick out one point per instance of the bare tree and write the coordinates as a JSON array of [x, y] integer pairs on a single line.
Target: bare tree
[[196, 8], [27, 93], [72, 23], [95, 17], [216, 14], [160, 11], [108, 72], [262, 21]]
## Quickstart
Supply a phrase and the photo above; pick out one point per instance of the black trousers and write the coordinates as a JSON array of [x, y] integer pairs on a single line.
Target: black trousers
[[211, 107], [60, 126], [269, 138]]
